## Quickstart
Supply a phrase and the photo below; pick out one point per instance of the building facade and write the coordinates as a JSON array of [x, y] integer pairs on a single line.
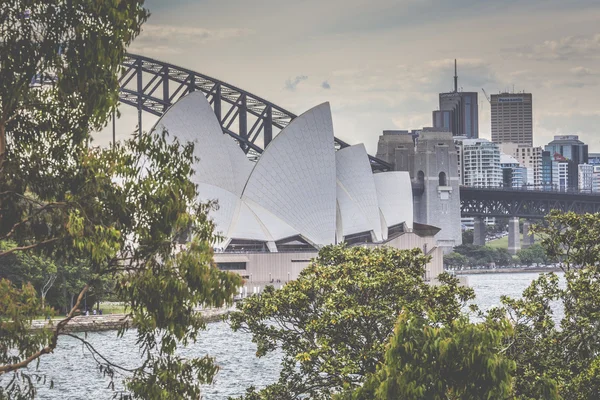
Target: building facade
[[513, 175], [585, 176], [460, 110], [560, 175], [443, 120], [479, 162], [430, 159], [596, 179], [594, 158], [570, 147], [547, 159], [512, 118], [528, 157]]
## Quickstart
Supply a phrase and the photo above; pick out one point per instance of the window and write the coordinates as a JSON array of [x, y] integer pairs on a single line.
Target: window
[[231, 266], [442, 179]]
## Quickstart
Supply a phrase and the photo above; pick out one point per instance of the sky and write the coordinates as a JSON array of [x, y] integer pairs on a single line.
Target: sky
[[382, 63]]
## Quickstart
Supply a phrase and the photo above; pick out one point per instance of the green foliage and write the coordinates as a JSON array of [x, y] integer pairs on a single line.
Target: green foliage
[[116, 215], [571, 239], [39, 270], [467, 236], [534, 254], [557, 355], [455, 259], [18, 307], [333, 322], [481, 256], [426, 360]]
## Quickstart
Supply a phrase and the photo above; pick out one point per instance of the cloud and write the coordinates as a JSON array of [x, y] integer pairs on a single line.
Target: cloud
[[581, 71], [565, 48], [325, 85], [170, 32], [292, 84], [170, 39], [582, 123]]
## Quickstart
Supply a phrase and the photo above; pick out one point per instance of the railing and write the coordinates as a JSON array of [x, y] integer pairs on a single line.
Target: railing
[[531, 189]]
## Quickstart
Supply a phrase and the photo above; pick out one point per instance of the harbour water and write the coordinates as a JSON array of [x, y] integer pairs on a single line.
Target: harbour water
[[76, 376]]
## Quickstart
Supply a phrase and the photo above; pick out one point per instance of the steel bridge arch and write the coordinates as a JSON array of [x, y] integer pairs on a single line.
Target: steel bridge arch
[[153, 86]]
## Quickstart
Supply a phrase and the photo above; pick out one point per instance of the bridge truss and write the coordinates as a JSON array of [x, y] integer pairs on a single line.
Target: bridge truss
[[531, 204], [152, 86]]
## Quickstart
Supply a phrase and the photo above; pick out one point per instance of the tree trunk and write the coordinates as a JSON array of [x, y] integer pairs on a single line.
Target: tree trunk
[[2, 142], [65, 296]]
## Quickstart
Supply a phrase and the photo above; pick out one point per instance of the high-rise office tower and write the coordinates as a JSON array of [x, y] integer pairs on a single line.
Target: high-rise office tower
[[458, 112], [478, 162], [512, 118]]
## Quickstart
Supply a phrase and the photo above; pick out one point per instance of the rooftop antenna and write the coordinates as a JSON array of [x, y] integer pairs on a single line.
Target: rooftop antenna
[[455, 77]]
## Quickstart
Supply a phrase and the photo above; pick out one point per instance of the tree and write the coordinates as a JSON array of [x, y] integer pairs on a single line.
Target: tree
[[467, 236], [534, 254], [26, 267], [121, 212], [570, 239], [558, 355], [455, 260], [459, 360], [333, 322], [478, 255], [503, 257]]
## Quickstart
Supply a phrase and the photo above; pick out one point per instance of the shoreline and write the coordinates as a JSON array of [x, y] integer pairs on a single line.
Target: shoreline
[[111, 322], [506, 270]]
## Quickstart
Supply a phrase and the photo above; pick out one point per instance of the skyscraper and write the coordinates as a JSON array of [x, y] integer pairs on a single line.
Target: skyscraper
[[570, 147], [512, 118], [571, 151], [458, 112], [478, 162]]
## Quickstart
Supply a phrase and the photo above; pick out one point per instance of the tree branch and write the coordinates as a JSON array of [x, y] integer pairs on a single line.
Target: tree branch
[[93, 350], [23, 248], [29, 218], [52, 345]]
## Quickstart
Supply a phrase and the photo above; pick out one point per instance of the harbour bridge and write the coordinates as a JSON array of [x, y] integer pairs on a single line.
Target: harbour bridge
[[152, 86]]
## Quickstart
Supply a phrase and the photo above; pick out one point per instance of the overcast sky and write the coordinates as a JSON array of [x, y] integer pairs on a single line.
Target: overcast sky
[[382, 63]]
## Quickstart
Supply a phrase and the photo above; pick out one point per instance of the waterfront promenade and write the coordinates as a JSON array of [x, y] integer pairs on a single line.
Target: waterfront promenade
[[506, 270], [108, 322]]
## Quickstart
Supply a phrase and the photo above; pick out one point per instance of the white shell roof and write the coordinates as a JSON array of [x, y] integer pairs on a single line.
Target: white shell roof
[[246, 225], [299, 186], [294, 178], [356, 193], [222, 162], [394, 194]]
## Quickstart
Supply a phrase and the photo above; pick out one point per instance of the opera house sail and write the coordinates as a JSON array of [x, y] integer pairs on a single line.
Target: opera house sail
[[274, 214]]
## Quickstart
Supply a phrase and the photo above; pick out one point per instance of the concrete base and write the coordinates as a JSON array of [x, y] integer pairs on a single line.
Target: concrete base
[[514, 236], [528, 238], [479, 231]]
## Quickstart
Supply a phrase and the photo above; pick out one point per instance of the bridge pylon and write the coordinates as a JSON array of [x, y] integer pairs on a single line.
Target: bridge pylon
[[514, 235]]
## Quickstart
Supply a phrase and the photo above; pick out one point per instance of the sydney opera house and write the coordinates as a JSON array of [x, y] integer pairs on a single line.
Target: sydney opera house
[[301, 194]]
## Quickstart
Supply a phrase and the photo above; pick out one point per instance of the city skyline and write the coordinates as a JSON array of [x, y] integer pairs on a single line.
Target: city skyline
[[381, 65]]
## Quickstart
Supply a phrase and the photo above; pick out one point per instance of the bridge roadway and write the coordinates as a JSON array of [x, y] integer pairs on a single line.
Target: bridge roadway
[[515, 204], [529, 204]]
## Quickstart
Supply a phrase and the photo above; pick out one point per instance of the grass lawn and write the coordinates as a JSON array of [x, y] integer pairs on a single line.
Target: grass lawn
[[501, 243]]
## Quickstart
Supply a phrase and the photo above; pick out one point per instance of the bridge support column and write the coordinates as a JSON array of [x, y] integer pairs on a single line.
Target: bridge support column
[[479, 231], [528, 238], [514, 236]]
